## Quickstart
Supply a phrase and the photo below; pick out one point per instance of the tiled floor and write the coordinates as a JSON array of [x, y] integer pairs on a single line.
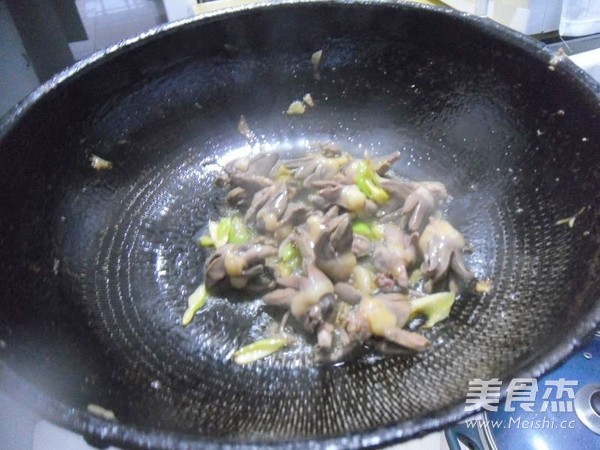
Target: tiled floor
[[109, 21]]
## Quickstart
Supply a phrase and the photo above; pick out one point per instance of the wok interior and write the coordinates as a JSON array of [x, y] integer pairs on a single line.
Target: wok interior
[[96, 266]]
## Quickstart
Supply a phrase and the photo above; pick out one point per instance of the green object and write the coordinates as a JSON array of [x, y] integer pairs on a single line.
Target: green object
[[228, 229], [259, 350], [415, 277], [196, 302], [370, 231], [221, 233], [291, 259], [206, 241], [367, 181], [238, 232], [436, 307]]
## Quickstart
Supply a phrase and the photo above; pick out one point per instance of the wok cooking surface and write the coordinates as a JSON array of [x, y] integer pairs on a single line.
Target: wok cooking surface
[[98, 264]]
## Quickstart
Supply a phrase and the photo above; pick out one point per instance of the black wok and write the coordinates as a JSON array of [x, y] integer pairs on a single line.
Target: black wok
[[95, 266]]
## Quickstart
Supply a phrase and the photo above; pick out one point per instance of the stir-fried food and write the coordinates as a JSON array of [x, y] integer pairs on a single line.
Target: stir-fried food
[[353, 253]]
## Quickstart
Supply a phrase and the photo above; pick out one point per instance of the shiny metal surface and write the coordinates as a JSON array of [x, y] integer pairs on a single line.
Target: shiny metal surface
[[584, 408]]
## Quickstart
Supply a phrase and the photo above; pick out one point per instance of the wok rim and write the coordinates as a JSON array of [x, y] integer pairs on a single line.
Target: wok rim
[[105, 432]]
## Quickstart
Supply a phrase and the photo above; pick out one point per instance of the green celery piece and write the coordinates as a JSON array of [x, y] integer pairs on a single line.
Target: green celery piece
[[415, 276], [259, 350], [291, 259], [223, 231], [238, 232], [367, 181], [371, 232], [219, 232], [196, 302], [289, 252], [436, 307], [206, 241]]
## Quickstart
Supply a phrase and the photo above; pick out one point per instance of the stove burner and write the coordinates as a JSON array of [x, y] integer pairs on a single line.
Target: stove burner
[[587, 406]]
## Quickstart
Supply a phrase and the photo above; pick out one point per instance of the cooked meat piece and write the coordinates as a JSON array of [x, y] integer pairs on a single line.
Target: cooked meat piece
[[386, 283], [309, 291], [315, 167], [384, 316], [238, 266], [280, 297], [262, 164], [312, 288], [384, 163], [347, 293], [348, 197], [238, 196], [422, 203], [369, 211], [318, 314], [304, 237], [398, 191], [325, 336], [408, 339], [258, 165], [248, 176], [361, 246], [244, 130], [292, 281], [295, 214], [332, 212], [329, 149], [267, 207], [333, 248], [392, 256], [405, 245], [250, 183], [442, 248], [312, 302]]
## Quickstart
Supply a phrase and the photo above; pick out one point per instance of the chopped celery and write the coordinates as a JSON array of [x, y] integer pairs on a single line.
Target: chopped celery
[[284, 174], [288, 252], [238, 232], [101, 412], [222, 234], [195, 303], [228, 229], [291, 260], [218, 231], [367, 181], [436, 307], [206, 241], [415, 277], [370, 231], [259, 350]]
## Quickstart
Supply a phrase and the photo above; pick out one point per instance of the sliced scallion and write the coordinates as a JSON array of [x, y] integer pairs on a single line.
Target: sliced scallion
[[436, 307], [196, 302], [259, 350], [367, 181]]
